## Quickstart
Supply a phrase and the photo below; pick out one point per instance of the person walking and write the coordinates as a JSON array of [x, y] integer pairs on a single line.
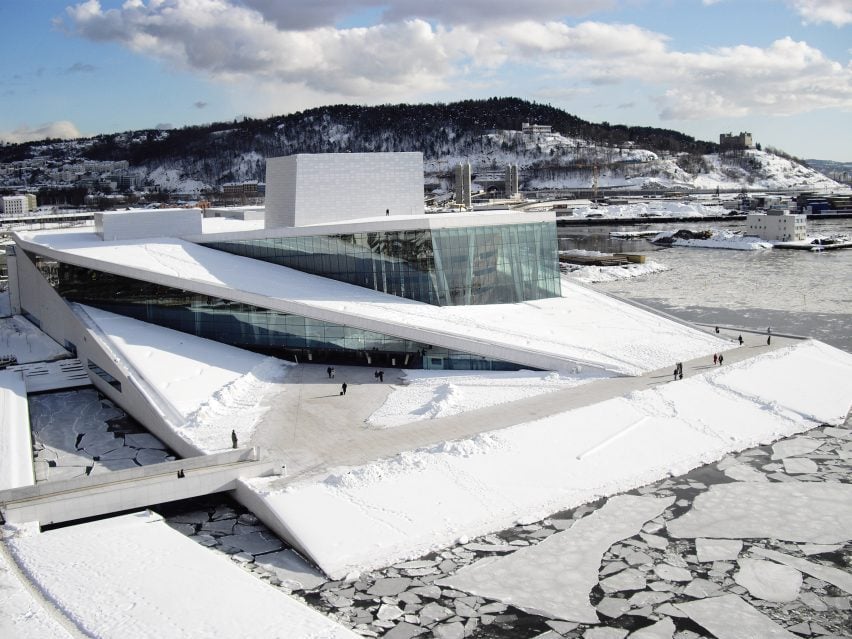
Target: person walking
[[343, 389], [675, 373], [234, 438], [768, 340], [717, 330], [720, 359], [332, 372], [328, 370], [715, 359], [740, 338], [381, 376]]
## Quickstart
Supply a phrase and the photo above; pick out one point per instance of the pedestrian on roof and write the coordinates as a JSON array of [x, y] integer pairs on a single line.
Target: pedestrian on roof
[[720, 359], [343, 389], [234, 438], [715, 359], [740, 338]]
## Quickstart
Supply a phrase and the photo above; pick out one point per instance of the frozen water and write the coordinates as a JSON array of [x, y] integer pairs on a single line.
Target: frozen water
[[663, 629], [839, 578], [717, 549], [672, 573], [805, 512], [555, 577], [744, 472], [768, 581], [799, 466], [729, 617], [794, 447]]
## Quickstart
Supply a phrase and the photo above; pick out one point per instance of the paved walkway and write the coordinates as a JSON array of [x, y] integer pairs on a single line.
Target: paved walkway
[[313, 428]]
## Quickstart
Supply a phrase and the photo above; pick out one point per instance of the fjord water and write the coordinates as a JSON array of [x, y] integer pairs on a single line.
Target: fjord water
[[798, 292]]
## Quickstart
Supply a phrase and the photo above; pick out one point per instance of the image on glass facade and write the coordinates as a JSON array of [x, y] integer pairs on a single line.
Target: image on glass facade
[[444, 267]]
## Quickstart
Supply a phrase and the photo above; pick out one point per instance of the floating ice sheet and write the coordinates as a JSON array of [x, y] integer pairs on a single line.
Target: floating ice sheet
[[839, 578], [818, 513], [554, 578], [729, 617]]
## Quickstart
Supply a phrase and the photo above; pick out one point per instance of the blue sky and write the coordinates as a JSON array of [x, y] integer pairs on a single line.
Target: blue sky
[[781, 69]]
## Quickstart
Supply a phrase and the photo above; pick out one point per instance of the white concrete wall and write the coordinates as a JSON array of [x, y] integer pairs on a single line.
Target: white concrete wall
[[57, 319], [132, 225], [16, 449], [331, 187]]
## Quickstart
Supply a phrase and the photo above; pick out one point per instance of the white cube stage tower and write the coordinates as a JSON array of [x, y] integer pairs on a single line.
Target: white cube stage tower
[[307, 189]]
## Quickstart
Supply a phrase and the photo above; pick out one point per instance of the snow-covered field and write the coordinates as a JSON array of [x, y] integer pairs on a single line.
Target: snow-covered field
[[215, 387], [436, 394], [521, 474]]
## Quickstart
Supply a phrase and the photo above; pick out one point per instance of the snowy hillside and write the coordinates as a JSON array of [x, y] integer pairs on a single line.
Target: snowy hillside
[[486, 133], [556, 162]]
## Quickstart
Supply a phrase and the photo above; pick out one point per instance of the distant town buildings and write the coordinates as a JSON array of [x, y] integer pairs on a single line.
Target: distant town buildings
[[536, 129], [19, 204], [729, 141], [462, 185], [243, 190]]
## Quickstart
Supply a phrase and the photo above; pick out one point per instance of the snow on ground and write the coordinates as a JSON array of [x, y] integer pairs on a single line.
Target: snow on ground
[[23, 616], [525, 472], [583, 327], [663, 208], [596, 274], [819, 513], [525, 579], [721, 239], [214, 386], [20, 338], [141, 579], [436, 394]]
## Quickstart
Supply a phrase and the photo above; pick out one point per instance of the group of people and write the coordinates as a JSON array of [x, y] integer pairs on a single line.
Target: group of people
[[678, 371], [379, 375], [330, 371], [718, 359]]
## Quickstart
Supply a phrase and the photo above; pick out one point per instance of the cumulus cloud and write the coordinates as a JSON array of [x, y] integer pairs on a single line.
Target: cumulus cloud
[[837, 12], [62, 129], [261, 43], [306, 14]]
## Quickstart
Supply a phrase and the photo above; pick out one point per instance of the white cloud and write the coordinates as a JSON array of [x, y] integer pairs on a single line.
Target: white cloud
[[62, 129], [305, 14], [837, 12], [245, 44]]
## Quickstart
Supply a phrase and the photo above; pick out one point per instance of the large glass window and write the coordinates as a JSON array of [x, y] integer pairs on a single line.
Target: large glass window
[[244, 325], [446, 267]]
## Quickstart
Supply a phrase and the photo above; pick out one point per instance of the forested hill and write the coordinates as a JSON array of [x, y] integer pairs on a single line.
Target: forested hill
[[434, 129], [198, 159]]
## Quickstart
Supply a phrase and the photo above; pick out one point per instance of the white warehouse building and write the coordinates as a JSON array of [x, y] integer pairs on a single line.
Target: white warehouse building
[[777, 226]]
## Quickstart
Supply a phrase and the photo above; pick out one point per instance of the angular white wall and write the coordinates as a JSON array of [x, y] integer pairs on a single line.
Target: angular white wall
[[332, 187]]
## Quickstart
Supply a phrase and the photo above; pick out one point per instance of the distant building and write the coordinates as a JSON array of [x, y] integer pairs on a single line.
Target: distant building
[[777, 225], [535, 129], [463, 196], [238, 190], [729, 141], [511, 180], [19, 204]]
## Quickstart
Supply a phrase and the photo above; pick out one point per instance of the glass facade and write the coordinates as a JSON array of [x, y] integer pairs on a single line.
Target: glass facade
[[445, 267], [246, 326]]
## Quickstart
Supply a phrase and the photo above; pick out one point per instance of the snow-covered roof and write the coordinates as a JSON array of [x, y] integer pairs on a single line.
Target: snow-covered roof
[[550, 334]]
